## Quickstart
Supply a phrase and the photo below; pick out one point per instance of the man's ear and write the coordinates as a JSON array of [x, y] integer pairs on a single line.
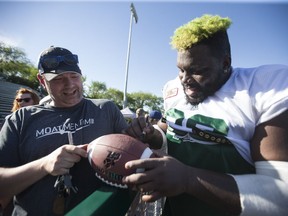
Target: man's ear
[[227, 62], [41, 80]]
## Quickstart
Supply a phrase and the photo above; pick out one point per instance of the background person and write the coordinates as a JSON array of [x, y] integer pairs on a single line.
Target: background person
[[140, 112], [227, 132], [24, 97], [154, 116]]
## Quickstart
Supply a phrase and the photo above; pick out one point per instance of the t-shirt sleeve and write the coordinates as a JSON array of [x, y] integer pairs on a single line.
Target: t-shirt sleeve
[[172, 93], [270, 91], [9, 139], [118, 119]]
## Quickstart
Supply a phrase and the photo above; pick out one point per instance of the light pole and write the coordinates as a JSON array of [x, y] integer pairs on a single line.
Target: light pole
[[133, 14]]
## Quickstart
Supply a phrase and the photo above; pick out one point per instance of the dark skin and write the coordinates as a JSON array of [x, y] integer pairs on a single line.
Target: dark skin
[[166, 176], [201, 75]]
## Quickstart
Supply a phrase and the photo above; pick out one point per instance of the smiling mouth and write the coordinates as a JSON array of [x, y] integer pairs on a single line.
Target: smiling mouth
[[190, 90], [70, 93]]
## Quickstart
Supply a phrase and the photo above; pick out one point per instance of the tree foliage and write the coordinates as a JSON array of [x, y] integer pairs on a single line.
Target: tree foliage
[[135, 100], [16, 67], [96, 89], [115, 95], [142, 99]]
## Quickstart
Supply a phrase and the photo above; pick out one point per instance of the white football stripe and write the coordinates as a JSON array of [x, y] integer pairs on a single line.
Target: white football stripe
[[146, 154]]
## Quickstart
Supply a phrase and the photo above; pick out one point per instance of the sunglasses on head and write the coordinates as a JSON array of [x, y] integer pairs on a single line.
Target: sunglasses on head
[[26, 100], [51, 62]]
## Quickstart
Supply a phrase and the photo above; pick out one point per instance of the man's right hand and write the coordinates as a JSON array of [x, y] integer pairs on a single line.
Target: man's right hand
[[63, 158]]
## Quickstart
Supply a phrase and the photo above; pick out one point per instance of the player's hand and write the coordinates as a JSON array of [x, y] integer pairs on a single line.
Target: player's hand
[[164, 176], [63, 158], [139, 128]]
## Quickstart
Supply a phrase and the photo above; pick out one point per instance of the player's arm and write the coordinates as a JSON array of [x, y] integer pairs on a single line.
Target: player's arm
[[263, 193], [266, 193], [154, 135]]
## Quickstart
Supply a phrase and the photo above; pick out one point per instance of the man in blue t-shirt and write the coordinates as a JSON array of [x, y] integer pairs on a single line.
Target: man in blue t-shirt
[[36, 150]]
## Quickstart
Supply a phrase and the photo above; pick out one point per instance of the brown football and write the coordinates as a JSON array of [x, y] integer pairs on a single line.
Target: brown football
[[109, 153]]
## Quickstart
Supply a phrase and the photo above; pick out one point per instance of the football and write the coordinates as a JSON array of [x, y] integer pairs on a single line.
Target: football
[[108, 154]]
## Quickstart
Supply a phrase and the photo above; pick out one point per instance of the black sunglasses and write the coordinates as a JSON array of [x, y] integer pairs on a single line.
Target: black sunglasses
[[51, 62], [26, 100]]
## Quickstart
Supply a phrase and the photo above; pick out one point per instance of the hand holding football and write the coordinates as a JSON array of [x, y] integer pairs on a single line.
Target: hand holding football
[[109, 153]]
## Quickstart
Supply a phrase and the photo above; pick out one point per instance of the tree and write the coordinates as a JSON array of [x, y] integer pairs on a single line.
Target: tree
[[135, 100], [16, 67], [96, 89], [115, 95], [99, 90], [142, 99]]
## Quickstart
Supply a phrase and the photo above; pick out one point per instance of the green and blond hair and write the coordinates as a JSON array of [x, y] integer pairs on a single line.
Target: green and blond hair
[[200, 30]]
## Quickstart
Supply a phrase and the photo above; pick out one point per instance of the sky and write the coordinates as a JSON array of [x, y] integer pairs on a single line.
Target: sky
[[98, 32]]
